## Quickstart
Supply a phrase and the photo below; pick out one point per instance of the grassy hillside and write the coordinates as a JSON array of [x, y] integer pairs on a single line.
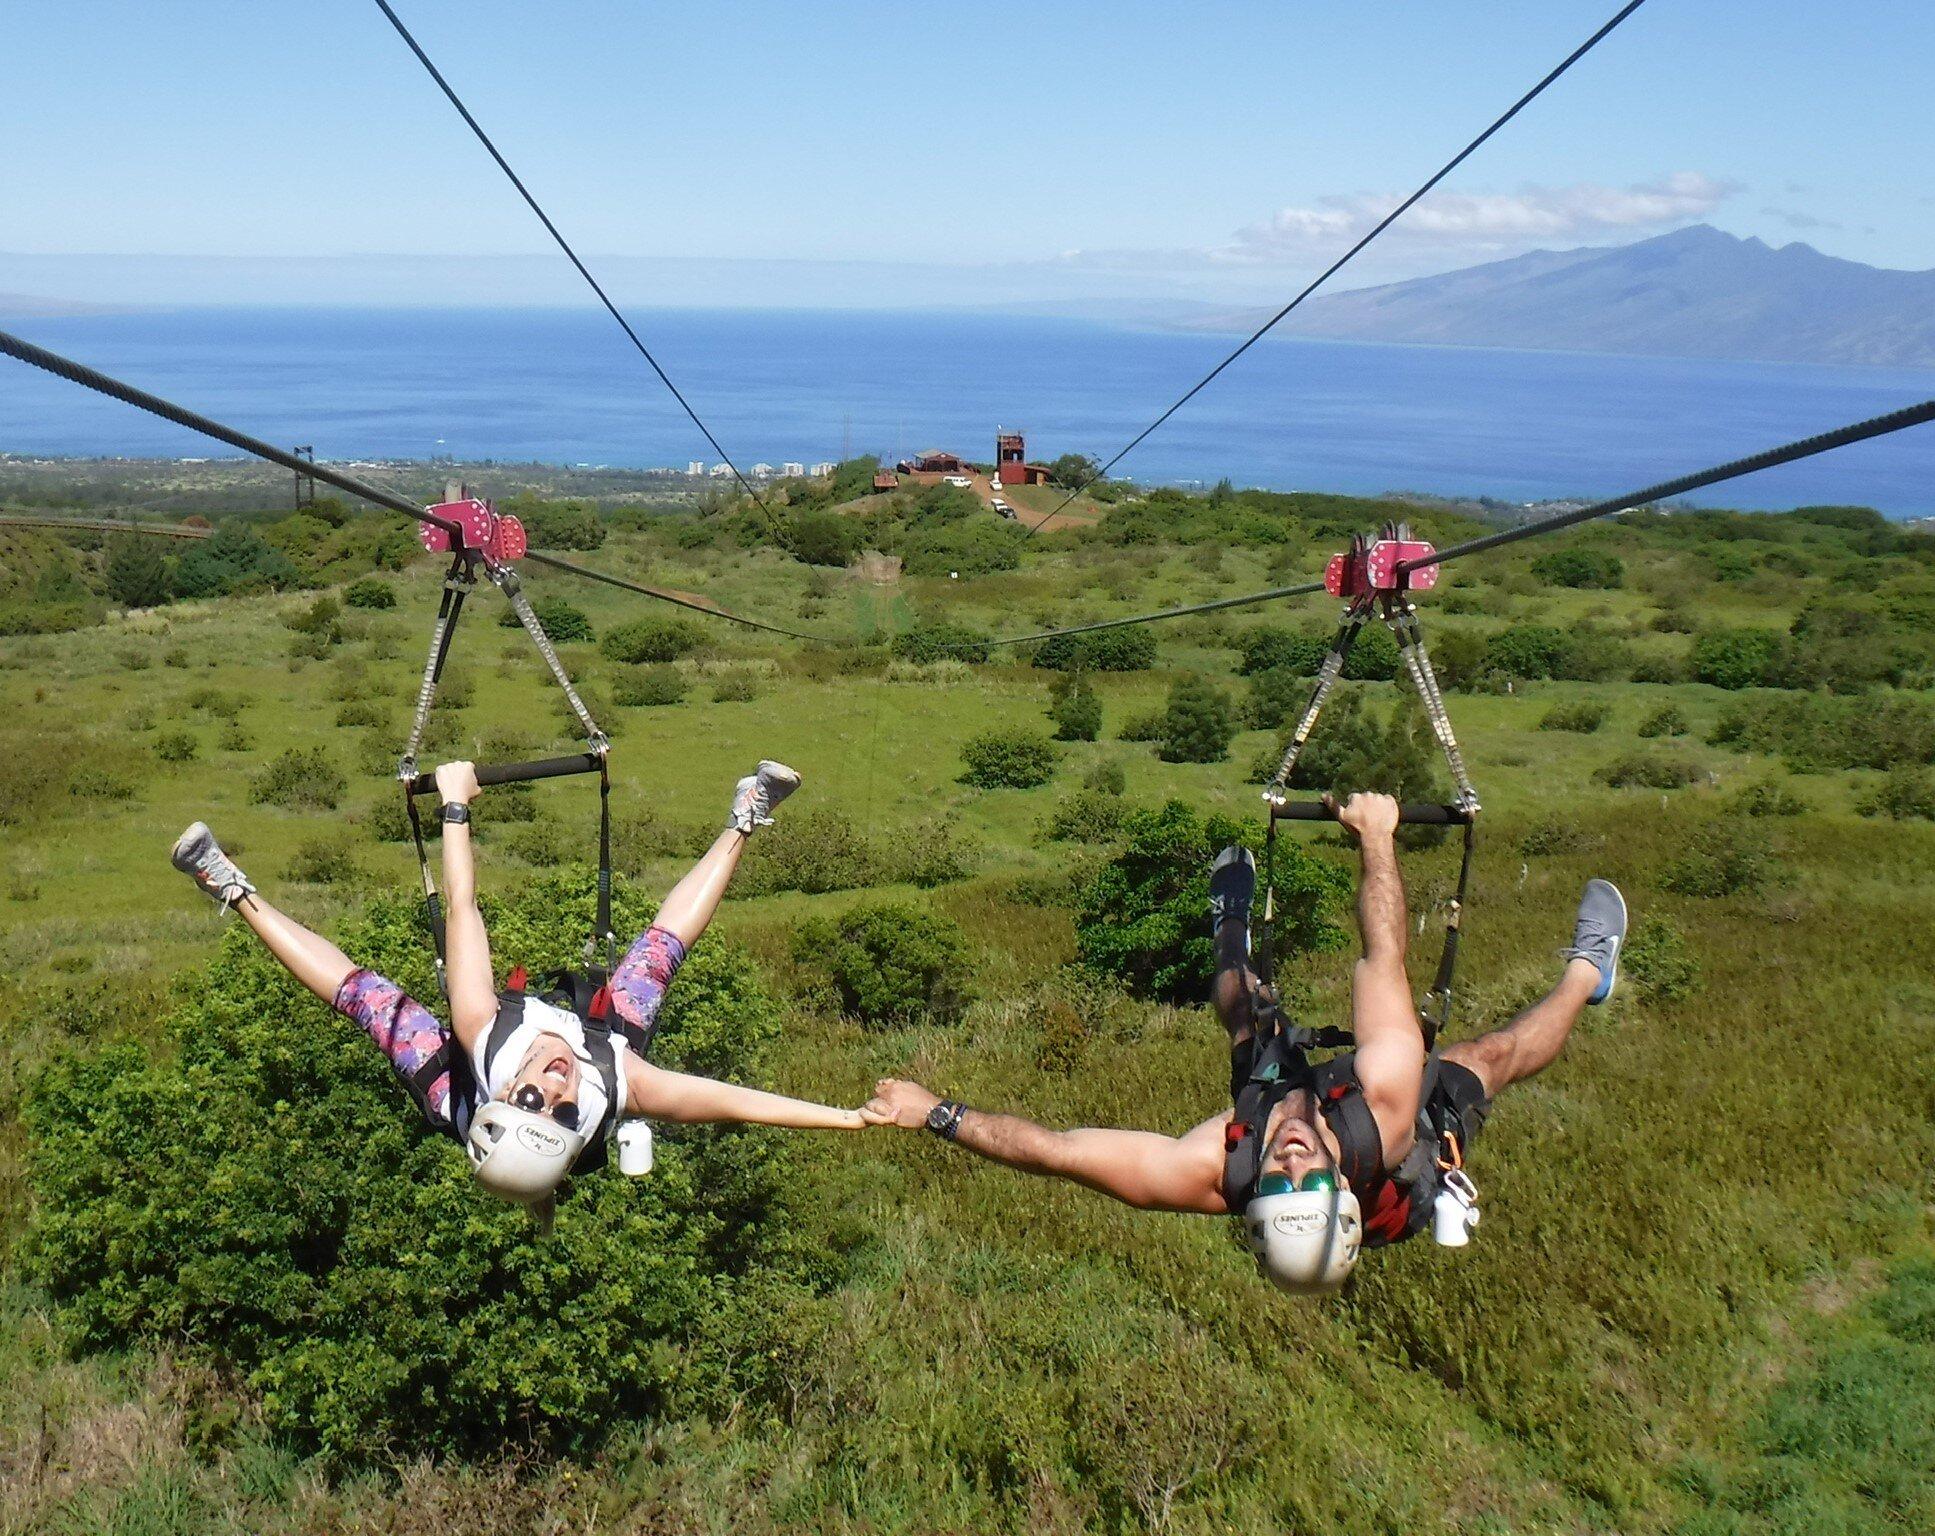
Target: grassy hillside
[[1699, 1301]]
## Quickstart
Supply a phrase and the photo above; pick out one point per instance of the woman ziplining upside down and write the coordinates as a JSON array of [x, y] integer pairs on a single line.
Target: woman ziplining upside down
[[527, 1088]]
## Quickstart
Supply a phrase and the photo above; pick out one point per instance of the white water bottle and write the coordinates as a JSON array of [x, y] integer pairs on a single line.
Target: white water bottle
[[1455, 1210], [634, 1138]]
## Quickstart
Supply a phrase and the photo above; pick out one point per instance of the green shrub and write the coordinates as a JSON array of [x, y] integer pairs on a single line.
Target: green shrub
[[1815, 734], [1661, 960], [321, 617], [1905, 794], [824, 538], [260, 1196], [1767, 797], [176, 747], [563, 621], [99, 784], [734, 688], [1144, 916], [889, 963], [1555, 835], [1527, 652], [564, 524], [1198, 724], [1649, 770], [1353, 748], [1107, 650], [1738, 658], [812, 851], [234, 737], [933, 852], [175, 656], [456, 688], [1106, 777], [658, 685], [650, 640], [1007, 760], [1277, 695], [1667, 720], [1268, 648], [1577, 566], [1075, 709], [370, 593], [212, 701], [928, 643], [1659, 669], [1721, 860], [301, 779], [358, 712], [323, 861], [1144, 727], [1087, 816], [1582, 716]]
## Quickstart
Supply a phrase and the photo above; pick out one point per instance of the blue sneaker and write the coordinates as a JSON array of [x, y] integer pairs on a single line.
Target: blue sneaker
[[1598, 933]]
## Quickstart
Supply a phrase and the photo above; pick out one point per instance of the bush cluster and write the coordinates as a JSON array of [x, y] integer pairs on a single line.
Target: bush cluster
[[650, 640], [1198, 723], [1582, 716], [1007, 760], [1662, 960], [261, 1196], [888, 963], [1107, 650], [562, 621], [1074, 709], [1815, 734], [1721, 860], [301, 779], [1649, 770], [1904, 794], [369, 592], [176, 747], [649, 685], [1577, 565], [1667, 720], [928, 643], [1144, 916]]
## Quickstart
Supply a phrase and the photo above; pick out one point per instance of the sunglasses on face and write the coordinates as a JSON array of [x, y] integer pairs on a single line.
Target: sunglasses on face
[[532, 1098]]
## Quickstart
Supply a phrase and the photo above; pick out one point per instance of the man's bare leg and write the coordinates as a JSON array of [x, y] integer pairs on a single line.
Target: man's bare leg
[[1532, 1041]]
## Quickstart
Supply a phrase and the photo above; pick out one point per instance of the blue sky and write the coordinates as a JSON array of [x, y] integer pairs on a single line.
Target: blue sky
[[1211, 150]]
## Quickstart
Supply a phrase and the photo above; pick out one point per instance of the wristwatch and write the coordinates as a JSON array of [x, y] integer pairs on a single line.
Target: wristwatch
[[456, 814], [944, 1119]]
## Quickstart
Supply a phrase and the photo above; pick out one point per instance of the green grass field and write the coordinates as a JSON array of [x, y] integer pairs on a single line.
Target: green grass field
[[1699, 1302]]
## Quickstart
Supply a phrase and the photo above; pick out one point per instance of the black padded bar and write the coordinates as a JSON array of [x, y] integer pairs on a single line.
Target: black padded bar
[[517, 773], [1413, 812]]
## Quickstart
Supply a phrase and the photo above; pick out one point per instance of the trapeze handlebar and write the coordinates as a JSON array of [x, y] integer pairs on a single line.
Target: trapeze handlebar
[[1414, 812], [518, 773]]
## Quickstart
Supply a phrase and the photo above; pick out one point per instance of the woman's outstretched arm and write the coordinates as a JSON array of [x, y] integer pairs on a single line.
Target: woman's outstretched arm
[[688, 1100], [467, 970]]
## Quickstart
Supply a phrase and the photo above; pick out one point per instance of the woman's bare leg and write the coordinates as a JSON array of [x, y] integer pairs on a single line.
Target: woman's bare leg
[[315, 962], [689, 905]]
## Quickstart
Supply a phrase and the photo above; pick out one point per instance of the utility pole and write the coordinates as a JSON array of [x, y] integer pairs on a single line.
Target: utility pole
[[305, 484]]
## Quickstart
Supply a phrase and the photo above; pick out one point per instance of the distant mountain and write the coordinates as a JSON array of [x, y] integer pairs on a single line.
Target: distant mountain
[[1697, 292]]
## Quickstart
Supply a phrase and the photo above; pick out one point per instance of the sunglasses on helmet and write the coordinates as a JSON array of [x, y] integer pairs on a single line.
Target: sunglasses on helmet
[[530, 1097]]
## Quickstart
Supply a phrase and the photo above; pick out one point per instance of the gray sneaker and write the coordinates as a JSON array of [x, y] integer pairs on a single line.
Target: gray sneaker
[[197, 853], [1232, 886], [755, 796], [1598, 933]]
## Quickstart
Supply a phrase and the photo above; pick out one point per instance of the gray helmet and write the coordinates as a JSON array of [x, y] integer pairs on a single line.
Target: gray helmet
[[518, 1154], [1306, 1239]]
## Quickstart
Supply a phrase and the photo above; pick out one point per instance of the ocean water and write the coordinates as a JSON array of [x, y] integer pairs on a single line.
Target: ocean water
[[565, 386]]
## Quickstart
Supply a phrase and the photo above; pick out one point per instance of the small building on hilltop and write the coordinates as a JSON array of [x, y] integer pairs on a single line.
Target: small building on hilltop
[[1011, 466], [935, 461], [886, 480]]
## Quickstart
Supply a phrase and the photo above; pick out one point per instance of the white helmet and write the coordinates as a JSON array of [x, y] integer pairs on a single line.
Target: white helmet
[[1306, 1239], [518, 1154]]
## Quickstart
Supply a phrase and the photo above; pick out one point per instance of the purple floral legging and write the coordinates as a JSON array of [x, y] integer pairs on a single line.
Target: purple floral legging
[[409, 1034]]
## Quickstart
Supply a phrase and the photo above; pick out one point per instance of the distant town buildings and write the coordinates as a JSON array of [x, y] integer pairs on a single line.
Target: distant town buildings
[[763, 471], [721, 471], [696, 467], [792, 469], [824, 467]]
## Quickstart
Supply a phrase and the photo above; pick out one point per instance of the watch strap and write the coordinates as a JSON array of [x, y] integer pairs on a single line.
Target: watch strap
[[456, 814], [944, 1119]]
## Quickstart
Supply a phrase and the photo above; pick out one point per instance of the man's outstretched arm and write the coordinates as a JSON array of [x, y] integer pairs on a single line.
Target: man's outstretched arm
[[1390, 1043], [1139, 1168]]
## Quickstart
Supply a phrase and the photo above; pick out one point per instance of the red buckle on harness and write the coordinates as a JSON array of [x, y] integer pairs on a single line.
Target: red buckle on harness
[[600, 1003], [516, 980], [1234, 1132]]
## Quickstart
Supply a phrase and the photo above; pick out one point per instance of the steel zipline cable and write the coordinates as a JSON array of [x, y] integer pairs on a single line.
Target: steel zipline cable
[[1329, 272], [167, 410], [583, 271]]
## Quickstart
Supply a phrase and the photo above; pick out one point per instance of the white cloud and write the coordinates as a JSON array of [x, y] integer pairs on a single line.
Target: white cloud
[[1476, 222]]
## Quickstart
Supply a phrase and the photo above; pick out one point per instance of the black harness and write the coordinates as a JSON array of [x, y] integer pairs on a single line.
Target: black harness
[[1279, 1065], [585, 994]]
